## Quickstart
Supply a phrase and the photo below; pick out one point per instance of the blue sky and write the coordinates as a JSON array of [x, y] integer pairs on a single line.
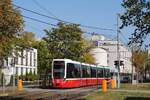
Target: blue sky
[[99, 13]]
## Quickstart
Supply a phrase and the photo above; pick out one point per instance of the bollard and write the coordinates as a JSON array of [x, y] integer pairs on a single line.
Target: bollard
[[112, 84], [20, 85], [104, 86]]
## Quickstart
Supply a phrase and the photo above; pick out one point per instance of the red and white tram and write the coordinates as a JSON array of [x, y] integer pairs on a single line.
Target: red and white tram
[[69, 74]]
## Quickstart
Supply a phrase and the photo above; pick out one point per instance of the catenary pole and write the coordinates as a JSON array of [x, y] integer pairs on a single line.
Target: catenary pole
[[132, 62], [118, 53]]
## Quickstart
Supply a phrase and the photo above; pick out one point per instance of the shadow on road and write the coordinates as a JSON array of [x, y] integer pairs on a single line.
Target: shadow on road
[[10, 98]]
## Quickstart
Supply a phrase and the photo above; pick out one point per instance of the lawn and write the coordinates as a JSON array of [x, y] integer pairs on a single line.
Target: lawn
[[117, 96], [114, 95], [140, 86]]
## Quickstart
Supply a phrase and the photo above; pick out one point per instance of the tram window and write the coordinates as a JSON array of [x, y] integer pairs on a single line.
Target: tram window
[[78, 73], [84, 71], [93, 72], [112, 74], [107, 73], [100, 72], [73, 70], [58, 69], [104, 72], [88, 72]]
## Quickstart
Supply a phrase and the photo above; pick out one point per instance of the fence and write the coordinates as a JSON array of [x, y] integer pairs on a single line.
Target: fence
[[8, 83]]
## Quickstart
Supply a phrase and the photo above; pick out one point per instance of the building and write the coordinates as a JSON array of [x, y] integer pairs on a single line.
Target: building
[[25, 62], [110, 46], [100, 56]]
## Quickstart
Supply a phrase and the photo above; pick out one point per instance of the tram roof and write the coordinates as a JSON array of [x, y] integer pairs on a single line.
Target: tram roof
[[67, 60], [113, 69]]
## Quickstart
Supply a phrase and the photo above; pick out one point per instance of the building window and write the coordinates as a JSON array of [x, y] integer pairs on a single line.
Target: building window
[[107, 55], [26, 58], [30, 58], [16, 60], [7, 62], [16, 70], [107, 61], [21, 57], [34, 59], [21, 71]]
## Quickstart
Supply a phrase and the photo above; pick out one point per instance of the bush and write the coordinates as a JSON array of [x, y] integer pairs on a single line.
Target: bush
[[29, 77]]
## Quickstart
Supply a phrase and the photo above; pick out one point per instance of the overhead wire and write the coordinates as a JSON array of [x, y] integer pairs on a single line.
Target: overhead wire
[[85, 26], [38, 20], [123, 36], [43, 8], [34, 19]]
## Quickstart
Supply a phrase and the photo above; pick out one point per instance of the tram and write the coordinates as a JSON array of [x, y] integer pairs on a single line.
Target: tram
[[67, 73]]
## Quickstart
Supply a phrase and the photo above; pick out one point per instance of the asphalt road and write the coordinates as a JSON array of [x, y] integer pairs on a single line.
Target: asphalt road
[[49, 94]]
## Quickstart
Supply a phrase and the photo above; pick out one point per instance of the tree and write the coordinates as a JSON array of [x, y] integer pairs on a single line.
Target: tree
[[11, 23], [140, 61], [26, 40], [66, 41], [137, 15], [88, 58], [44, 57]]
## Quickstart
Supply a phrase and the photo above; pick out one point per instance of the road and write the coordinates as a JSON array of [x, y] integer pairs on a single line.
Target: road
[[49, 94]]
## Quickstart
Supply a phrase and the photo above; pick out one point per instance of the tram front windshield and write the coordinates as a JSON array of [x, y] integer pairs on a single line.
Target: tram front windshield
[[58, 69]]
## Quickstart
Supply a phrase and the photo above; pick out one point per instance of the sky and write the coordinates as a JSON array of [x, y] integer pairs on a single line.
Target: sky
[[98, 13]]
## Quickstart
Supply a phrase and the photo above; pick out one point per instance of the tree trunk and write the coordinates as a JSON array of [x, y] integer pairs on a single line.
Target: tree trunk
[[137, 76]]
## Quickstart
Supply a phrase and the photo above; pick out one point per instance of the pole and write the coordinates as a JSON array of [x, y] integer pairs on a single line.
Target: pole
[[14, 74], [118, 53], [3, 83], [97, 74], [132, 62]]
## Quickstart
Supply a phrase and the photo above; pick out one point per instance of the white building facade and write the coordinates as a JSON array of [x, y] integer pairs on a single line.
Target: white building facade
[[25, 62], [110, 46], [100, 56]]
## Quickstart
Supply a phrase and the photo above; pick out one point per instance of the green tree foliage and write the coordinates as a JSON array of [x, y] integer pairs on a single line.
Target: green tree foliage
[[66, 41], [139, 60], [88, 58], [26, 40], [11, 23], [44, 57], [137, 15]]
